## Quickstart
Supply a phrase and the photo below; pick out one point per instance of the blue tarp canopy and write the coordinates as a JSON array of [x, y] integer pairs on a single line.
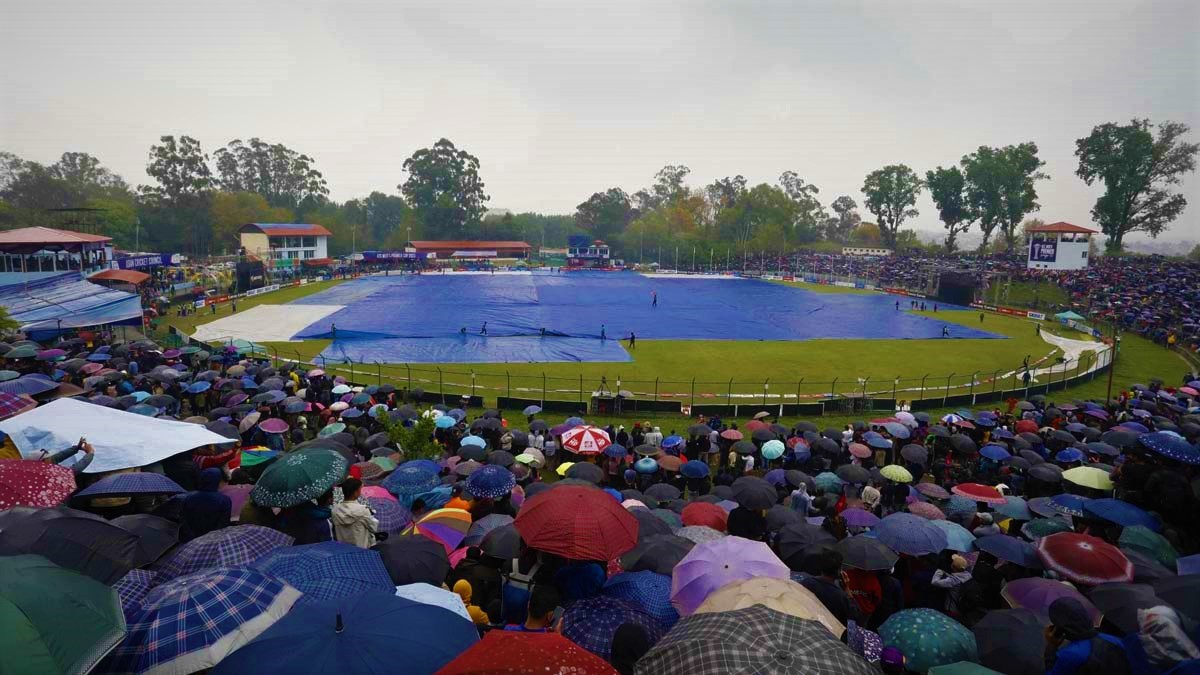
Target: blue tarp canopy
[[67, 301], [1064, 316]]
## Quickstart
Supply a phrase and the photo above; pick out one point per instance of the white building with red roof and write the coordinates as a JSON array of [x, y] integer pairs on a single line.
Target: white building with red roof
[[286, 245], [1059, 246]]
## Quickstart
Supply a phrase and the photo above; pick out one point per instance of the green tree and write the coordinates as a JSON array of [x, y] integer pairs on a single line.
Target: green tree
[[230, 210], [416, 442], [605, 214], [118, 219], [810, 215], [723, 193], [175, 210], [444, 187], [867, 234], [759, 206], [846, 218], [891, 194], [668, 186], [1001, 187], [1138, 169], [7, 324], [1195, 253], [384, 214], [948, 187], [281, 175]]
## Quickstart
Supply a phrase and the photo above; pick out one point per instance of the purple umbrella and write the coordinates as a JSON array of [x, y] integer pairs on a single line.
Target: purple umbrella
[[1037, 594], [481, 527], [712, 565], [860, 518], [132, 589], [392, 517], [238, 494], [227, 547], [932, 490], [141, 483], [592, 623], [914, 535]]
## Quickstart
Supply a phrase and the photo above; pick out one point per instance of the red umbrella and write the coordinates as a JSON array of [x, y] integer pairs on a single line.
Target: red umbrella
[[586, 440], [731, 435], [26, 482], [979, 493], [1026, 426], [755, 425], [576, 522], [1084, 559], [505, 652], [708, 515]]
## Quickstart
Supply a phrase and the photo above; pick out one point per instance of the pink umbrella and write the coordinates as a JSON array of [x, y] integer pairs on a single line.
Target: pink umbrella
[[379, 492], [238, 494], [859, 450], [926, 510], [586, 440], [979, 493], [713, 564]]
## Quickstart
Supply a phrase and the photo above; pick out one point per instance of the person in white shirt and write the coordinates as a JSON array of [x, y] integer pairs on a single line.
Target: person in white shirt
[[538, 441], [354, 523], [749, 464], [654, 438]]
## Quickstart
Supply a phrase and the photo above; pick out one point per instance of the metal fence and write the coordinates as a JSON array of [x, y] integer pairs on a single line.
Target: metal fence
[[622, 391]]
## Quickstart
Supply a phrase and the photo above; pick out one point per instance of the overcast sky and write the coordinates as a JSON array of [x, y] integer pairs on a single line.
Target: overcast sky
[[563, 98]]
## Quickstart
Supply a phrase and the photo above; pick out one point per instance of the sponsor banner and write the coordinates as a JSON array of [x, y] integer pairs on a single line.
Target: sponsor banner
[[259, 291], [216, 300], [199, 304], [844, 284], [905, 291], [1036, 315], [789, 278], [1043, 250], [373, 256], [142, 261]]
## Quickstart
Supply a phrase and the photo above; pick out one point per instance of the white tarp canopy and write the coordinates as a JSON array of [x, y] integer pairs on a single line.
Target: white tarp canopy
[[122, 440]]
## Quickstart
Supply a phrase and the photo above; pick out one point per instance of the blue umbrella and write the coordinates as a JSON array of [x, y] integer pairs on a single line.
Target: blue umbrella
[[828, 482], [672, 441], [409, 481], [776, 477], [531, 410], [1120, 512], [366, 633], [1071, 505], [646, 465], [1069, 455], [445, 422], [960, 504], [473, 440], [958, 538], [994, 452], [457, 413], [29, 385], [480, 528], [1011, 549], [573, 422], [143, 409], [491, 482], [199, 387], [615, 494], [1015, 508], [906, 533], [647, 589], [423, 464], [326, 571], [897, 430], [592, 622], [391, 515], [1003, 434], [616, 451], [877, 442], [141, 483], [198, 617], [99, 358], [1170, 445], [694, 468], [1136, 426]]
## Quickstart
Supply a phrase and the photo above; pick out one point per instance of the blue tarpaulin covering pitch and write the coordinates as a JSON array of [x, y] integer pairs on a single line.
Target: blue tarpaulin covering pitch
[[67, 301], [420, 318]]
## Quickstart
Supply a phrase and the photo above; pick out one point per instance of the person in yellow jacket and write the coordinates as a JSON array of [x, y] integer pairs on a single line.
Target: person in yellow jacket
[[463, 588]]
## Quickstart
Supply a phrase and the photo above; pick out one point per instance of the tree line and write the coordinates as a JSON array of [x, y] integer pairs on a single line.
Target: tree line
[[197, 201]]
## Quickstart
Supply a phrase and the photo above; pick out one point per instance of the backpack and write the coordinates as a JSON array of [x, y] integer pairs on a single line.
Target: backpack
[[514, 592]]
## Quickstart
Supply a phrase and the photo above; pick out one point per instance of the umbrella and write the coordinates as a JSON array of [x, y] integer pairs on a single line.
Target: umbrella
[[227, 547], [928, 638], [421, 636], [915, 453], [1120, 512], [503, 542], [1015, 508], [480, 528], [853, 473], [731, 435], [391, 516], [577, 523], [1041, 527], [155, 535], [897, 473], [926, 510], [132, 589], [409, 481], [434, 596], [705, 514], [326, 571], [801, 538], [866, 553], [1181, 592], [491, 482], [37, 600], [648, 590], [662, 492], [586, 440], [979, 493], [906, 533], [932, 490], [1170, 445], [1068, 504], [754, 493], [1016, 551], [755, 639], [963, 444], [299, 477], [1151, 543], [781, 595], [31, 483], [779, 516], [616, 451], [413, 559], [592, 622], [658, 553], [585, 471], [139, 483], [513, 651], [1036, 595], [672, 441], [1120, 603], [1084, 559], [1089, 477], [997, 453], [501, 458], [999, 631], [958, 538], [694, 469], [194, 622], [712, 565], [76, 540], [828, 482], [856, 517], [447, 525], [699, 534]]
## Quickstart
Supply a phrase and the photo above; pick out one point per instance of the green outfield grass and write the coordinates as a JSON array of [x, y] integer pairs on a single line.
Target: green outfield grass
[[748, 372], [823, 288]]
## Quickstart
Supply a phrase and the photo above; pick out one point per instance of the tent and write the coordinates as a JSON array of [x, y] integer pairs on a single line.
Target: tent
[[1068, 316], [122, 440], [67, 301]]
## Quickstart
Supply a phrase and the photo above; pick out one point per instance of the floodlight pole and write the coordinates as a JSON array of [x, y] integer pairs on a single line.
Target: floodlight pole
[[1112, 361]]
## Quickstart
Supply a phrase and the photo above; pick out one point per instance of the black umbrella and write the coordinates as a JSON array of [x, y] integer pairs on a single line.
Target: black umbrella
[[73, 539], [377, 440], [709, 498], [258, 399], [1045, 472], [805, 426], [962, 443], [744, 447], [160, 401], [538, 425], [1020, 444], [585, 471], [155, 535], [502, 458], [998, 635], [780, 516], [940, 431], [1120, 438], [853, 473], [224, 429], [827, 446], [472, 452], [657, 553], [1120, 603], [725, 492], [795, 477], [778, 429], [1031, 457], [699, 430], [633, 494], [645, 450], [762, 435], [915, 453], [329, 444], [802, 538], [412, 559], [1182, 593], [812, 437], [1018, 463], [754, 493], [649, 525], [662, 492], [1146, 569], [504, 542], [1062, 436], [866, 553]]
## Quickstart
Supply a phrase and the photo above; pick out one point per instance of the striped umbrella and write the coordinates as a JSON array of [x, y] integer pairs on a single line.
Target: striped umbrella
[[326, 571], [227, 547], [586, 440], [448, 526]]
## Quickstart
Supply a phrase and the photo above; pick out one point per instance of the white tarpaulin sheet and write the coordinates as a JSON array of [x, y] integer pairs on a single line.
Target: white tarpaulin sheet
[[264, 323], [122, 440]]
